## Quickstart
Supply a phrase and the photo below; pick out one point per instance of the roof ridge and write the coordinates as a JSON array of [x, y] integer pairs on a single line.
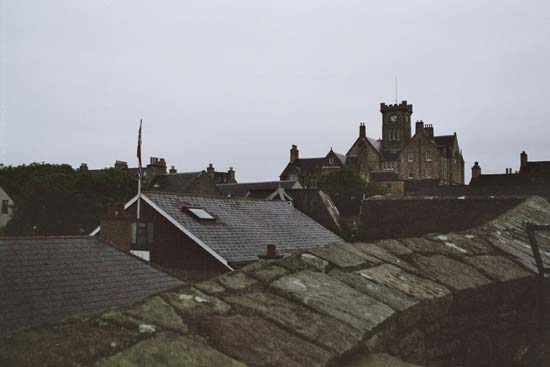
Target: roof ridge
[[45, 237], [255, 182], [206, 196]]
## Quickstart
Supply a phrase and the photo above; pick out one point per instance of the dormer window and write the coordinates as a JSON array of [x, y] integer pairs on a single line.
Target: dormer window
[[201, 214]]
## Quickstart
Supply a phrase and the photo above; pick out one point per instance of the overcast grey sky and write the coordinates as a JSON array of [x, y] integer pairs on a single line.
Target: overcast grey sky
[[235, 83]]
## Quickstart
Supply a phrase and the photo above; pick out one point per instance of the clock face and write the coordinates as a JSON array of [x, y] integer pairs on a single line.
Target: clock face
[[393, 118]]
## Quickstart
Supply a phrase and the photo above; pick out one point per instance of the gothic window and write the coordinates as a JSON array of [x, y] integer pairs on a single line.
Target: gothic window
[[397, 135], [429, 172], [429, 155], [410, 171], [410, 155], [331, 160]]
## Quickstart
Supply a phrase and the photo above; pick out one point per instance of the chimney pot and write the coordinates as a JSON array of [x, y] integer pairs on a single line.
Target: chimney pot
[[271, 250]]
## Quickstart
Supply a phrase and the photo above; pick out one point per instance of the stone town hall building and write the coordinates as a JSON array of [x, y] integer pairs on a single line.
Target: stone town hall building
[[401, 154]]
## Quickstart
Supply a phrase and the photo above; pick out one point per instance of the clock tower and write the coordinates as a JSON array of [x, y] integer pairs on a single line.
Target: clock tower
[[396, 125]]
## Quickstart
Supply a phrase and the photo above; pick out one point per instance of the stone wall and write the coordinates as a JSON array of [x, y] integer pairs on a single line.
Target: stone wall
[[459, 299], [383, 217]]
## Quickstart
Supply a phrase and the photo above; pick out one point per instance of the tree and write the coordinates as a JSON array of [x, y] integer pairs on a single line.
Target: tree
[[58, 200], [342, 181]]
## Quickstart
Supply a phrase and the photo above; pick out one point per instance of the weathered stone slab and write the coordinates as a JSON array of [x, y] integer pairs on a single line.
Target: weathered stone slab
[[169, 351], [193, 302], [451, 273], [498, 268], [299, 262], [236, 281], [317, 328], [436, 298], [332, 297], [425, 246], [153, 311], [268, 273], [384, 255], [267, 345], [464, 243], [388, 296], [521, 256], [210, 287], [394, 246], [76, 343], [338, 256], [411, 347], [369, 259], [316, 262]]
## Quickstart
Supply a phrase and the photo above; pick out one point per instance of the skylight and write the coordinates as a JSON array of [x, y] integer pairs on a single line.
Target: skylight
[[201, 213]]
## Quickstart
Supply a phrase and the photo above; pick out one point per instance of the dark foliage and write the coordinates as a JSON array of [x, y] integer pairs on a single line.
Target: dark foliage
[[59, 200]]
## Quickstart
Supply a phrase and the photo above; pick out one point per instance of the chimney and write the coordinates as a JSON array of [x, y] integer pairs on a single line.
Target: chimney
[[173, 170], [362, 130], [231, 175], [524, 160], [429, 130], [153, 161], [121, 165], [419, 127], [270, 253], [294, 154], [115, 227], [83, 167], [162, 162], [476, 171], [210, 170]]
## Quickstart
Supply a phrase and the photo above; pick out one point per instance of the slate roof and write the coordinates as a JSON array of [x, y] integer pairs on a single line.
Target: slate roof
[[44, 279], [377, 144], [444, 140], [242, 189], [244, 227], [178, 182]]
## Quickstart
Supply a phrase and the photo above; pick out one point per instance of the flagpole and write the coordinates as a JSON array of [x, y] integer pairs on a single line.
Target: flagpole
[[140, 173]]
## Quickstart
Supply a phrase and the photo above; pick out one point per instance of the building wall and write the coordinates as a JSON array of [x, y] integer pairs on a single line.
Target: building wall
[[408, 217], [421, 166], [171, 248], [5, 217]]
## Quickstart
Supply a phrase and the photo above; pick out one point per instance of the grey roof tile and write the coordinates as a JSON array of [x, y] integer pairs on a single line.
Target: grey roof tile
[[244, 227], [45, 279]]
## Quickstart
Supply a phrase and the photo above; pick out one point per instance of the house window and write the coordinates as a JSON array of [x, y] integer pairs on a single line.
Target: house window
[[411, 172], [410, 156], [429, 172], [142, 235], [331, 160], [201, 213], [429, 155], [4, 207]]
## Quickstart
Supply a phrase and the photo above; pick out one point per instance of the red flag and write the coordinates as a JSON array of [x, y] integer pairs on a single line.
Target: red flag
[[140, 171]]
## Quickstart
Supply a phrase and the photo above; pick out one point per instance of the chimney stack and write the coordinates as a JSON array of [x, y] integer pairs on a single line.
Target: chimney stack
[[294, 154], [210, 170], [362, 130], [173, 170], [524, 160], [115, 227], [476, 171], [231, 175], [429, 130], [83, 167], [419, 127], [270, 253]]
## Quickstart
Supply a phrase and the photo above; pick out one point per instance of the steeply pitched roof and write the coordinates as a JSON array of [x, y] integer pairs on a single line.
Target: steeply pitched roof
[[377, 144], [242, 189], [244, 227], [444, 140], [49, 278], [178, 182]]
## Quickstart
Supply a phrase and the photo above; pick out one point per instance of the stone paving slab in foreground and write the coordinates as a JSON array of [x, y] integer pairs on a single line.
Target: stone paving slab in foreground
[[459, 299]]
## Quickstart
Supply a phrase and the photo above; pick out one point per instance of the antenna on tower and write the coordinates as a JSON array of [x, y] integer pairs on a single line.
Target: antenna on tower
[[395, 89]]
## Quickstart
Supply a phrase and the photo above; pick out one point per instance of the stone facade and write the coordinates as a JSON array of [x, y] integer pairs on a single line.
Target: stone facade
[[422, 156]]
